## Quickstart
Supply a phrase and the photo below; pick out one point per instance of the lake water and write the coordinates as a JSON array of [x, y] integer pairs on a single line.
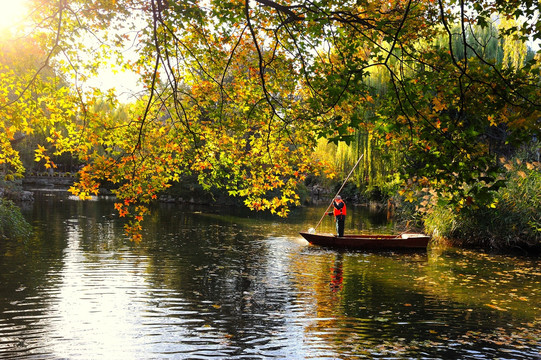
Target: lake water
[[223, 283]]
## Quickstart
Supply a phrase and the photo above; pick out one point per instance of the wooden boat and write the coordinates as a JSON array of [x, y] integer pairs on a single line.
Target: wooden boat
[[369, 242]]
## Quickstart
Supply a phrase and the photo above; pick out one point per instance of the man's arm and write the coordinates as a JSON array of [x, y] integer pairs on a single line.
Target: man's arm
[[339, 205]]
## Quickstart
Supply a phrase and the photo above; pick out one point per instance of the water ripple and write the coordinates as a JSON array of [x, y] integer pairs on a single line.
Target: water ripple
[[216, 287]]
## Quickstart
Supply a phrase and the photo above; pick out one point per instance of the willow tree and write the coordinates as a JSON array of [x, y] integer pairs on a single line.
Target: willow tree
[[237, 92], [382, 158]]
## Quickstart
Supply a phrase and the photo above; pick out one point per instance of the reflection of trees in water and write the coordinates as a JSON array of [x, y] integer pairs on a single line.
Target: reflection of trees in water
[[219, 278], [223, 271], [30, 269], [379, 304]]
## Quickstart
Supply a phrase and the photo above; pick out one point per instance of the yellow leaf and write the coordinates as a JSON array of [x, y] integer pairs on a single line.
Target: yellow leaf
[[438, 105], [409, 196]]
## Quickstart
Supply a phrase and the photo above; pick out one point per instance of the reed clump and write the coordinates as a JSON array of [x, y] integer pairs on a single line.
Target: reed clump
[[512, 220]]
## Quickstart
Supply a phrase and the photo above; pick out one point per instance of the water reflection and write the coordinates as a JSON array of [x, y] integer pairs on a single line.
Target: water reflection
[[337, 270], [210, 284]]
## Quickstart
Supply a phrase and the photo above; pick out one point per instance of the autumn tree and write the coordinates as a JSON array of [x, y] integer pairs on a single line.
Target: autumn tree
[[237, 92], [33, 99]]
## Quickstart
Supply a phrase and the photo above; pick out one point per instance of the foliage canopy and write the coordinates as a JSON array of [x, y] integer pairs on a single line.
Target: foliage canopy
[[237, 92]]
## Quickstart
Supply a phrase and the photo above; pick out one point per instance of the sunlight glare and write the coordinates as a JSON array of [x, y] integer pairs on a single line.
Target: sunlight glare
[[12, 12]]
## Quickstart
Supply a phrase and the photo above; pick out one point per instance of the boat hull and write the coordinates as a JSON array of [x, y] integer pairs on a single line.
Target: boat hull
[[370, 242]]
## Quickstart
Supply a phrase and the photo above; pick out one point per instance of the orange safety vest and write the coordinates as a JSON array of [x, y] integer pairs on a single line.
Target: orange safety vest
[[341, 211]]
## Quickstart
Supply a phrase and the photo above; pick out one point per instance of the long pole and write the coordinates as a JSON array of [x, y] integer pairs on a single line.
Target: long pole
[[338, 193]]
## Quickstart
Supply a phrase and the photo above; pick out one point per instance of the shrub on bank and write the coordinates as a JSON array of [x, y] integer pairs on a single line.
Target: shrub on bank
[[512, 221], [12, 222]]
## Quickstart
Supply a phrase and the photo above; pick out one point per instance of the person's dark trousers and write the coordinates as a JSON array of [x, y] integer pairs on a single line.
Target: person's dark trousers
[[340, 222]]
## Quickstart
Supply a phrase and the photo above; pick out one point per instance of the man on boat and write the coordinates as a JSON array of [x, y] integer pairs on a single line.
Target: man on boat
[[339, 214]]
